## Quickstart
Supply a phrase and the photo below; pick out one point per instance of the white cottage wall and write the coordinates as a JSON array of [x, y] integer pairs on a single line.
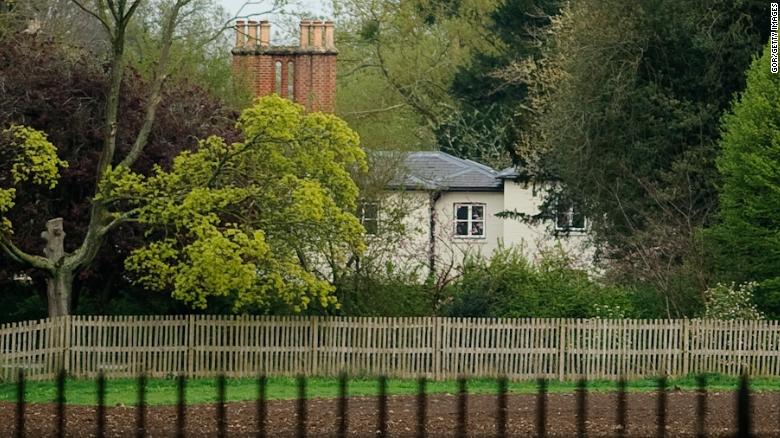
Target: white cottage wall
[[451, 248], [527, 197], [410, 251]]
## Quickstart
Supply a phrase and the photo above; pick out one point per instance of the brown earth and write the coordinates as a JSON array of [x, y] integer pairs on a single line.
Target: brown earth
[[442, 417]]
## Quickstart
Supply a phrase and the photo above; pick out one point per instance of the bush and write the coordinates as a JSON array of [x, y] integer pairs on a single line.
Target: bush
[[508, 285], [731, 302], [389, 293]]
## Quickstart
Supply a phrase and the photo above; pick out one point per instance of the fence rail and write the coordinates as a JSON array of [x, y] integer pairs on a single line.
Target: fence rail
[[439, 348]]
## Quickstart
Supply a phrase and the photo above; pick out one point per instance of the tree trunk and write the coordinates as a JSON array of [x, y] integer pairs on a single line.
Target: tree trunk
[[59, 283], [59, 288]]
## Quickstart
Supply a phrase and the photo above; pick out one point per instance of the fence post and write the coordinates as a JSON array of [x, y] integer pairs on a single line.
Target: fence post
[[66, 340], [315, 341], [436, 347], [561, 347], [686, 349], [190, 345]]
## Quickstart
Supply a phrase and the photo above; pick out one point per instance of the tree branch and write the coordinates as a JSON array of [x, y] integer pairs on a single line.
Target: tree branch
[[155, 95], [118, 220], [375, 110], [101, 220], [98, 17], [22, 257]]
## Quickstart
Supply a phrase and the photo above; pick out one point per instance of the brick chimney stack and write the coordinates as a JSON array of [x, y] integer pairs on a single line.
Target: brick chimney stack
[[305, 73]]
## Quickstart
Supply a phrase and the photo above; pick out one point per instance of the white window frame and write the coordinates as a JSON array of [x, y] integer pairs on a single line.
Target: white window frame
[[469, 221], [570, 212]]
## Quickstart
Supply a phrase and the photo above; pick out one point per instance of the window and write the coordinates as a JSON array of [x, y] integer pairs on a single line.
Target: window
[[290, 80], [368, 213], [278, 78], [568, 217], [470, 220]]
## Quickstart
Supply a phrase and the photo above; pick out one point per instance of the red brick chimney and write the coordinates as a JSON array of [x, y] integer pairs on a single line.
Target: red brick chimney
[[305, 74]]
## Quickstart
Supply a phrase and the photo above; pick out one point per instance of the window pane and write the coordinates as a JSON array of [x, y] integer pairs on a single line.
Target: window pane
[[371, 226], [372, 210], [477, 212], [290, 80], [278, 77], [477, 228], [462, 212], [577, 219], [462, 229], [562, 219]]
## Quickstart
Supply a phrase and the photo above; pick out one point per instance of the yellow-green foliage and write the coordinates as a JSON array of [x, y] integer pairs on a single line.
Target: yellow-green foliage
[[26, 156], [254, 220]]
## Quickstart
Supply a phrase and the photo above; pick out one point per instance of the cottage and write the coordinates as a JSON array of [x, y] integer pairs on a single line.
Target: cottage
[[450, 206]]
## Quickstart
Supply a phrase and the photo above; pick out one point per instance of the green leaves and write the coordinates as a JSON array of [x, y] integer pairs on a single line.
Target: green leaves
[[747, 239], [31, 156], [731, 302], [27, 157], [253, 221]]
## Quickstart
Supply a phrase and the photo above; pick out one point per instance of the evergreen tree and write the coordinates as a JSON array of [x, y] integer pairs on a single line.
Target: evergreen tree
[[748, 235], [628, 124], [486, 127]]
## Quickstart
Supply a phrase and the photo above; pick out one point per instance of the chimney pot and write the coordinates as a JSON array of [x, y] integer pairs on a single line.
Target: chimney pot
[[240, 33], [305, 27], [252, 31], [317, 28], [329, 38], [265, 33]]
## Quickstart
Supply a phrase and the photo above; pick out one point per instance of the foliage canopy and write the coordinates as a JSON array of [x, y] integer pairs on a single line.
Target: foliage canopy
[[747, 237], [255, 220], [627, 100]]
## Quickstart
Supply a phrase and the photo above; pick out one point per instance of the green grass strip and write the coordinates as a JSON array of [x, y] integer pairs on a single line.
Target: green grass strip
[[123, 392]]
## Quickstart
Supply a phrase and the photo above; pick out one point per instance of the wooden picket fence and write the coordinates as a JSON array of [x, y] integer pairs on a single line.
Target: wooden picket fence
[[439, 348]]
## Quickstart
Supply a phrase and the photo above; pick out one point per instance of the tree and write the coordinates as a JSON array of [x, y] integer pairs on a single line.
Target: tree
[[747, 236], [254, 219], [390, 104], [59, 88], [491, 116], [60, 266], [626, 107]]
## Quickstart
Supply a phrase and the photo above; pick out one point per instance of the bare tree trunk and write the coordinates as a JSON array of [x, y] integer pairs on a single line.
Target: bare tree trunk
[[59, 283], [59, 289]]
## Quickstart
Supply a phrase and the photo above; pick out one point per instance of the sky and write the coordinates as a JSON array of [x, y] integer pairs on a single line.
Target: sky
[[315, 7], [283, 26]]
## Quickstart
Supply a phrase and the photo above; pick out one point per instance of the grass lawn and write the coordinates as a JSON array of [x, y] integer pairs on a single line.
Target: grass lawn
[[163, 391]]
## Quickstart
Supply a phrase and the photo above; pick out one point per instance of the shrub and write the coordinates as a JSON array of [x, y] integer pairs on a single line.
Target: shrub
[[508, 285], [383, 293], [731, 302]]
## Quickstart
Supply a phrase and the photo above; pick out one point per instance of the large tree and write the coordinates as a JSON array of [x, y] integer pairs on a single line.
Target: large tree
[[59, 89], [490, 120], [397, 61], [257, 219], [747, 238], [63, 260], [60, 266], [628, 110]]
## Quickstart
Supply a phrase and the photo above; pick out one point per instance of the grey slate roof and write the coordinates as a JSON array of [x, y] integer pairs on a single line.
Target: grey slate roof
[[509, 173], [441, 171]]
